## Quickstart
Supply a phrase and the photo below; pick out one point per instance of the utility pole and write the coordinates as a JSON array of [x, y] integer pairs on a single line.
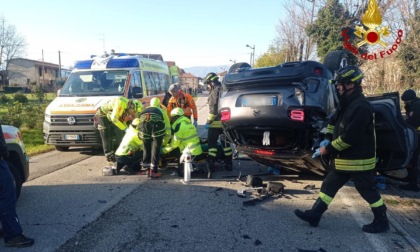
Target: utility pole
[[252, 54], [308, 45], [103, 42], [43, 68], [59, 65]]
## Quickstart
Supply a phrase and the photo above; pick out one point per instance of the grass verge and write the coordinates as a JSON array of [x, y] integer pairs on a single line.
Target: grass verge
[[34, 142]]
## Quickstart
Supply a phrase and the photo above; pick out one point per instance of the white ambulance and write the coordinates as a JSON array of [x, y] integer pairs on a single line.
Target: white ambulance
[[69, 117]]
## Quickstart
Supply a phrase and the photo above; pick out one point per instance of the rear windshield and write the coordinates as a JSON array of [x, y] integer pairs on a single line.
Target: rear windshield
[[95, 83]]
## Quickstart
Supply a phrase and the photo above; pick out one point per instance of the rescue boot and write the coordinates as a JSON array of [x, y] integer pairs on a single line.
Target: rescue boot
[[210, 164], [313, 216], [228, 163], [380, 222]]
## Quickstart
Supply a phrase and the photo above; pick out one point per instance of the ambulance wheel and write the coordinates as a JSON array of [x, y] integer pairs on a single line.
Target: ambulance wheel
[[62, 148]]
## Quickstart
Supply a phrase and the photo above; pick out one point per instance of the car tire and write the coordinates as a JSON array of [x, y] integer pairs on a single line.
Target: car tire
[[236, 66], [334, 60], [62, 148], [17, 180]]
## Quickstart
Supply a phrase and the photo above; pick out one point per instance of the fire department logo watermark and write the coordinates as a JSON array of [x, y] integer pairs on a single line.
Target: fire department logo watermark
[[372, 36]]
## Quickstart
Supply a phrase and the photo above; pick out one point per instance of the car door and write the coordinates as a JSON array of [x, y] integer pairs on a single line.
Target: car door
[[395, 139]]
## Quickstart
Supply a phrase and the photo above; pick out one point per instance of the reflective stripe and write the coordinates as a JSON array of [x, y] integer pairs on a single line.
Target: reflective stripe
[[378, 203], [227, 151], [186, 138], [327, 199], [330, 129], [339, 144], [216, 124], [213, 152], [211, 117], [355, 165], [194, 145]]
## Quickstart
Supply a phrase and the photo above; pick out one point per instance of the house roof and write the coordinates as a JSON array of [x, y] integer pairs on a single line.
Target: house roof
[[36, 62]]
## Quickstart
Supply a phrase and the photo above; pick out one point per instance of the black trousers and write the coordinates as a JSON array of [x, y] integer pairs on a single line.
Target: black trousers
[[212, 137], [152, 142], [364, 182], [132, 161], [111, 137], [8, 216]]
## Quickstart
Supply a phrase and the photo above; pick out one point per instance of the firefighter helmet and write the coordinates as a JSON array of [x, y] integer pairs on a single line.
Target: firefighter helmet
[[177, 112], [210, 77], [347, 75], [408, 95]]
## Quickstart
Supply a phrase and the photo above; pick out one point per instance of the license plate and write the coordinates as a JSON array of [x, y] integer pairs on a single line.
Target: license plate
[[72, 137], [258, 100]]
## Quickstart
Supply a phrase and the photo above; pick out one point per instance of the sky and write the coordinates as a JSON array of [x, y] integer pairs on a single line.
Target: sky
[[189, 32]]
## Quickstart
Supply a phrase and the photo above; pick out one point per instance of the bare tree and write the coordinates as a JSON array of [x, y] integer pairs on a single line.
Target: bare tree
[[12, 45], [291, 31]]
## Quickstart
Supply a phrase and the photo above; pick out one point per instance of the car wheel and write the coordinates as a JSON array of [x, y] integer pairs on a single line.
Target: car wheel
[[62, 148], [236, 66], [17, 180], [335, 60]]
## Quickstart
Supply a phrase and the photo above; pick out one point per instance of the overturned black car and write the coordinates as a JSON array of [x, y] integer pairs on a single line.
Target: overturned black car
[[277, 116]]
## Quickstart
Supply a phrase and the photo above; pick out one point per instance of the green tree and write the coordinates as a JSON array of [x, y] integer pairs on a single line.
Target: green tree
[[273, 57], [410, 49], [326, 31]]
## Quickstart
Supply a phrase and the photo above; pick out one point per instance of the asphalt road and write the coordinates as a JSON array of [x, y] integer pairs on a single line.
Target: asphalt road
[[69, 206]]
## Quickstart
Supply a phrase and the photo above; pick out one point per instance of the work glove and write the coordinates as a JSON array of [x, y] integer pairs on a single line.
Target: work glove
[[207, 126], [195, 123], [324, 143], [317, 152]]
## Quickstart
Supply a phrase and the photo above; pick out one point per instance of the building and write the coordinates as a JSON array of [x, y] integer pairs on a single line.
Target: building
[[25, 72], [189, 83]]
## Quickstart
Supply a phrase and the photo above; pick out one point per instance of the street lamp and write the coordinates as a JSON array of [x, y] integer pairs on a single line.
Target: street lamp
[[252, 55]]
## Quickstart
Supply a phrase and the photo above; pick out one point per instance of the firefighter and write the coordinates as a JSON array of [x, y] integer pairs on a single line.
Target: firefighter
[[130, 152], [351, 145], [412, 112], [155, 131], [182, 100], [184, 136], [113, 117], [213, 123]]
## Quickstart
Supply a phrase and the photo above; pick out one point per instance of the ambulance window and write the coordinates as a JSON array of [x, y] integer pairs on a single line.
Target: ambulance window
[[135, 79], [135, 83]]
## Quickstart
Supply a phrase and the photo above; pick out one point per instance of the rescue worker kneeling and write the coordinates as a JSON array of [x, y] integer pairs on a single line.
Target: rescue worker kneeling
[[184, 136], [130, 152], [155, 132]]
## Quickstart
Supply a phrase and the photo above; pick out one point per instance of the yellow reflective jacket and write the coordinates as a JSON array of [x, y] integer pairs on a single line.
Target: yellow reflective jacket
[[115, 110], [130, 143], [185, 135]]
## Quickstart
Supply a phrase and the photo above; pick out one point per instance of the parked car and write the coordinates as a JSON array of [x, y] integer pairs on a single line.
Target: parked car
[[18, 160], [277, 115]]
